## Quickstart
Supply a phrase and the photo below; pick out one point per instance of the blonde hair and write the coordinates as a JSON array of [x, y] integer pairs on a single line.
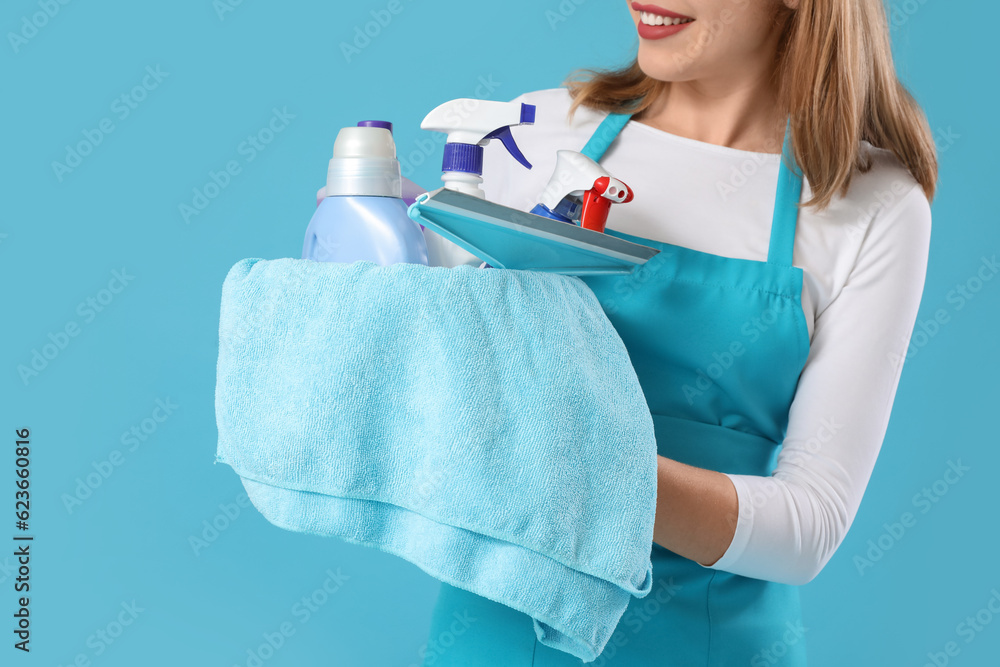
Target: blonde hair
[[837, 82]]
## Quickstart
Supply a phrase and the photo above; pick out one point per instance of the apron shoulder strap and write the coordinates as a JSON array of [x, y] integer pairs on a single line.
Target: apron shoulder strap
[[786, 205], [605, 133]]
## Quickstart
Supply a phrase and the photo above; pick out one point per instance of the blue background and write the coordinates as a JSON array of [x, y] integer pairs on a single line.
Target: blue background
[[60, 240]]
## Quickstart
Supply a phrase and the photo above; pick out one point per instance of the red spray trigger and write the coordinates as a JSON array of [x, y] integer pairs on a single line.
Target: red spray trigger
[[597, 202]]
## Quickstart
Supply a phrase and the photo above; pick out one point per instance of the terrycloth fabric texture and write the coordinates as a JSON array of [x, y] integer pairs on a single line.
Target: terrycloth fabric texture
[[484, 424]]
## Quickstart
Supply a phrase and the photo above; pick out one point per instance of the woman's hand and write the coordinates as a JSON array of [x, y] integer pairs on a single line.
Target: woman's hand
[[696, 511]]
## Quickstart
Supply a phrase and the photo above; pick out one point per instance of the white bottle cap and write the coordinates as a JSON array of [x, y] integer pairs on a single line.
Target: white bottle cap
[[364, 164]]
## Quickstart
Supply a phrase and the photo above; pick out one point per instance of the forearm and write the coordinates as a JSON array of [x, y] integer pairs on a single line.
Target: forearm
[[696, 511]]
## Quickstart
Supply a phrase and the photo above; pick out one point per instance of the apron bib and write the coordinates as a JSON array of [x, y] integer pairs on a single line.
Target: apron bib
[[718, 345]]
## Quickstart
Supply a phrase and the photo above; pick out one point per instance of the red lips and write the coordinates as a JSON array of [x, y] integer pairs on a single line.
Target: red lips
[[654, 32], [660, 11]]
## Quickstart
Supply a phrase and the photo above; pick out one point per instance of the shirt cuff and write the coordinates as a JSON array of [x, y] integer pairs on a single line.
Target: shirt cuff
[[744, 522]]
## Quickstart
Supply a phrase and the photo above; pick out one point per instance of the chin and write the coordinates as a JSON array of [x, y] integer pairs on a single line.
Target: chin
[[663, 64]]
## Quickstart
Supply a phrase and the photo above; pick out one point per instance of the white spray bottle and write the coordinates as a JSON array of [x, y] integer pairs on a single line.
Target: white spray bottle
[[470, 124]]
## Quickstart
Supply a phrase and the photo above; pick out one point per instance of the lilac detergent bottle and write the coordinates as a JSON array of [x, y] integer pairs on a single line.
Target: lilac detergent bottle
[[363, 215]]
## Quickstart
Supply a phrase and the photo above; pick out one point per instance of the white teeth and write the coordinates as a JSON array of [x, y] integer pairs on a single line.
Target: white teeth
[[648, 18]]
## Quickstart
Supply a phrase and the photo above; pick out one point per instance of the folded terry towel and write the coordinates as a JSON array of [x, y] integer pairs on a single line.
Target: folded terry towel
[[486, 425]]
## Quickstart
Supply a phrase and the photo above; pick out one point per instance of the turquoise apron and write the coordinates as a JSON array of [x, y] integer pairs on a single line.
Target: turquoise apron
[[718, 344]]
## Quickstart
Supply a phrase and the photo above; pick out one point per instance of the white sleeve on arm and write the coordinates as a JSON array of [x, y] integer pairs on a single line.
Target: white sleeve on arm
[[792, 522]]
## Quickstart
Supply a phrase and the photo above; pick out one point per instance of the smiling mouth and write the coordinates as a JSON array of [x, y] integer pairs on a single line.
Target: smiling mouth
[[649, 18], [653, 15]]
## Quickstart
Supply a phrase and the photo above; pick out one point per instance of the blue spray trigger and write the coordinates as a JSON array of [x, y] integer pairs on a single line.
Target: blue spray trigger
[[507, 139]]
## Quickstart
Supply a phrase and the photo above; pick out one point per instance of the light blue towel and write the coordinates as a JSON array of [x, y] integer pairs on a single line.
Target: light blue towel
[[484, 424]]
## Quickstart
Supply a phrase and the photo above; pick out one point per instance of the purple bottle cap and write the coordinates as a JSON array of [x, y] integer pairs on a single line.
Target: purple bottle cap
[[467, 158], [376, 123]]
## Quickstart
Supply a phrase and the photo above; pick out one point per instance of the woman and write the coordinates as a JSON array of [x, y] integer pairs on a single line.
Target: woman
[[768, 334]]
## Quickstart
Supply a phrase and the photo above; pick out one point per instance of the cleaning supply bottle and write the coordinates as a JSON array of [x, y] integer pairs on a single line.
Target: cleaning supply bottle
[[362, 215], [581, 189], [470, 124]]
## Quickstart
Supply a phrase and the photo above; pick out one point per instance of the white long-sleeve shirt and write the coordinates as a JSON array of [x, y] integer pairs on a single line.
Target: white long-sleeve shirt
[[864, 260]]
